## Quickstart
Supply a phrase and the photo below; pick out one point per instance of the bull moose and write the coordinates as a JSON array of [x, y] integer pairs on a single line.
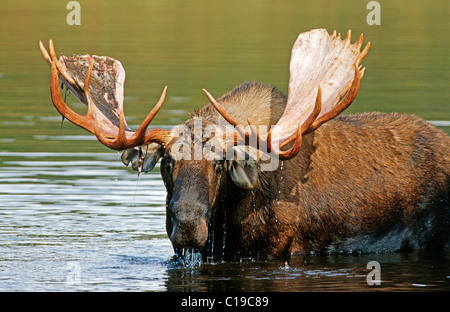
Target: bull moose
[[298, 178]]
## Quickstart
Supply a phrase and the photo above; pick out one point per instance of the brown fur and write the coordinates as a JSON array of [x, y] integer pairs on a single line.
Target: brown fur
[[361, 183]]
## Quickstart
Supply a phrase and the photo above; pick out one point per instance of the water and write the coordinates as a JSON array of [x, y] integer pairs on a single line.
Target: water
[[73, 218], [77, 222], [58, 209]]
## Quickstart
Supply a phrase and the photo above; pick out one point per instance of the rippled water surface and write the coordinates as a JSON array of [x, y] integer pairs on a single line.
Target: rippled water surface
[[71, 222], [73, 218]]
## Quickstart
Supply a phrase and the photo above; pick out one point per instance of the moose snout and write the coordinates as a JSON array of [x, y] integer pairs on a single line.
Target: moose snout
[[188, 225], [189, 233]]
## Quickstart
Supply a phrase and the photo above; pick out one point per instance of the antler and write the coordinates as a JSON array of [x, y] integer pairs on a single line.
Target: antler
[[318, 62], [103, 112], [267, 141]]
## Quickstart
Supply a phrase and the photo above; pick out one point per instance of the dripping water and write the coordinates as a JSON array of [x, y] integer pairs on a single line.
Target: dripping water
[[189, 258], [224, 228], [117, 179], [279, 185], [138, 180], [212, 236], [136, 189], [253, 201], [211, 231]]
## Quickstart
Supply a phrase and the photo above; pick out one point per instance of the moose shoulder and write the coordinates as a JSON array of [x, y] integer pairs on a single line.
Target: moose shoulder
[[361, 183], [340, 184]]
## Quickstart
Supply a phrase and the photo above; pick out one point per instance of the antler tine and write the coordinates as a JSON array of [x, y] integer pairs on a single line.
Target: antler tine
[[293, 151], [363, 52], [359, 41], [62, 107], [140, 137], [51, 48], [306, 126], [349, 36], [51, 57], [225, 115], [45, 53], [254, 131], [220, 109], [341, 106], [86, 88], [243, 135], [151, 115], [301, 129], [316, 111], [160, 136]]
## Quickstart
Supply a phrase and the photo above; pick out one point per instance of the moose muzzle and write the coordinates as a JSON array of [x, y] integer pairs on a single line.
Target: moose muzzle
[[187, 224]]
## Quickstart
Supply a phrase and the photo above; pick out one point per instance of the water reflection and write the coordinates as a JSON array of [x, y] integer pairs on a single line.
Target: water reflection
[[399, 272]]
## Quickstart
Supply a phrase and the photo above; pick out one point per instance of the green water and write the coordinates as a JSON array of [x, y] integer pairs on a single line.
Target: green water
[[64, 198], [190, 45]]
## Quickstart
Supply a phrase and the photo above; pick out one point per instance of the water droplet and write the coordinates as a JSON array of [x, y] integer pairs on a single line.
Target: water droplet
[[190, 258], [286, 265]]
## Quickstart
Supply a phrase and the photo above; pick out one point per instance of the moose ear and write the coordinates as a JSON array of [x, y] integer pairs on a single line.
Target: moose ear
[[244, 173], [143, 158]]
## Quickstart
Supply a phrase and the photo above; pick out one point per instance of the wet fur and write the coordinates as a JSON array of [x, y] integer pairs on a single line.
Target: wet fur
[[365, 183]]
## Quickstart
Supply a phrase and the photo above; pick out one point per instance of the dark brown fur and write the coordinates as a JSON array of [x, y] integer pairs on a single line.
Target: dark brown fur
[[361, 183]]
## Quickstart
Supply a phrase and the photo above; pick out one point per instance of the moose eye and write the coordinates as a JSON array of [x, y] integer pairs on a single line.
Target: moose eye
[[218, 164]]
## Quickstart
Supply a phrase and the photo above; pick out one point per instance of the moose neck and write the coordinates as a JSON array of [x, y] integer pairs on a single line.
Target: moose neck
[[250, 223]]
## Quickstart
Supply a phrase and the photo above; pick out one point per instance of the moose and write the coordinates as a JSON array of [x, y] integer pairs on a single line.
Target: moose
[[299, 178]]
